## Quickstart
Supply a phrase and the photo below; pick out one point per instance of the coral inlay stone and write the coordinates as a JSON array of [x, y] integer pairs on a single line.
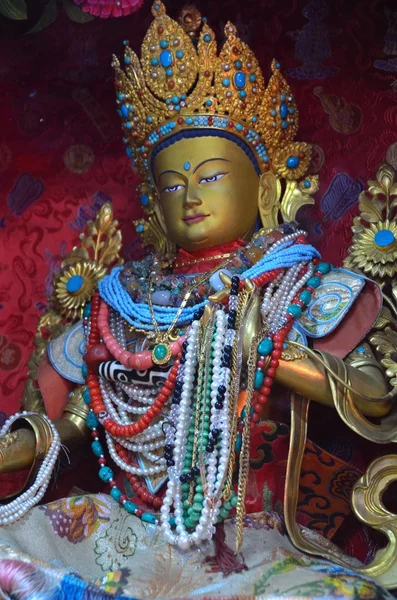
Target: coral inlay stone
[[74, 284], [384, 239]]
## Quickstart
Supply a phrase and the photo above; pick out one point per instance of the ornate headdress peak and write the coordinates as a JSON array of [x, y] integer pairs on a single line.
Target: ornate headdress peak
[[180, 85]]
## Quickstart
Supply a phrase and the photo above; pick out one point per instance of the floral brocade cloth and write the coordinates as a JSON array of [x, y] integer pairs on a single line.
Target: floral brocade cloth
[[89, 547]]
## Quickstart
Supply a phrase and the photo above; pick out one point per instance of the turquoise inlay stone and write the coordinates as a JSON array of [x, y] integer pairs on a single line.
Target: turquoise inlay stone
[[291, 110], [306, 297], [105, 473], [283, 111], [278, 65], [149, 119], [145, 200], [226, 82], [87, 310], [240, 80], [207, 38], [166, 59], [252, 77], [294, 310], [163, 44], [208, 102], [282, 97], [86, 396], [128, 125], [242, 94], [324, 268], [293, 162], [128, 152], [258, 381], [84, 371], [307, 183], [97, 449], [265, 347], [116, 493], [284, 124], [313, 282], [156, 6], [273, 112], [384, 238], [254, 119], [74, 284], [92, 421], [124, 111], [127, 60], [169, 72], [186, 166], [238, 64], [154, 61], [238, 444], [139, 228], [179, 53], [361, 350], [130, 507], [175, 100]]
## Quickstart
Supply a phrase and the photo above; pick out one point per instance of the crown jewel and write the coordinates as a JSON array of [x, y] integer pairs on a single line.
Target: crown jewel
[[179, 85]]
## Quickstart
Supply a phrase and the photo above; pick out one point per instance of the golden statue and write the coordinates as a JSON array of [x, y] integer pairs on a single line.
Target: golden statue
[[171, 362]]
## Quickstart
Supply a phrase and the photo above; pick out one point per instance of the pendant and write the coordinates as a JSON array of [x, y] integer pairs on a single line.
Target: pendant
[[161, 354]]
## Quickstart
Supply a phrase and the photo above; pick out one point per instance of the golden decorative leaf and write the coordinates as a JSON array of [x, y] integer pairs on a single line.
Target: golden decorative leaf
[[391, 370], [385, 341], [385, 318], [13, 9], [370, 208], [385, 177], [110, 249], [104, 220]]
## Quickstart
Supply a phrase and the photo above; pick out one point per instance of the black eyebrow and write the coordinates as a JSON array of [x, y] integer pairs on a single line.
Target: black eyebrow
[[209, 160], [164, 172]]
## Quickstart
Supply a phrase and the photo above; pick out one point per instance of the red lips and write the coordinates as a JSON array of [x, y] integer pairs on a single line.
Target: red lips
[[194, 218]]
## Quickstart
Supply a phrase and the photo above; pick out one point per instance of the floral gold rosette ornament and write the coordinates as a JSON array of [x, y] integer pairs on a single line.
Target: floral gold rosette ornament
[[183, 85], [374, 247], [86, 265]]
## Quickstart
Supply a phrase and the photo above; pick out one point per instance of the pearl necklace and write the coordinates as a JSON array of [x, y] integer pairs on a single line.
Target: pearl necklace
[[17, 508]]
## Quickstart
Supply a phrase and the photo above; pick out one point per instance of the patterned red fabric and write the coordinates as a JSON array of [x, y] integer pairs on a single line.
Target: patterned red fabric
[[61, 154]]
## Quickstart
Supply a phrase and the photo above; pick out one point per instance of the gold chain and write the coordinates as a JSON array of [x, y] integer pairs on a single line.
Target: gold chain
[[245, 448], [196, 261]]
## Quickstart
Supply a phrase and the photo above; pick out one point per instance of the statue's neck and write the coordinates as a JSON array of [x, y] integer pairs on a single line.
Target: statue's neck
[[204, 260]]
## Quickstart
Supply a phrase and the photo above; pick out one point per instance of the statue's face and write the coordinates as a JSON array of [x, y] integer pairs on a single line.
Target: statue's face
[[208, 191]]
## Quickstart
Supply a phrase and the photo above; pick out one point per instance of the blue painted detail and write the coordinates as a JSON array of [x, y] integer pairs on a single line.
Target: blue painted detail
[[145, 200], [293, 162], [164, 44], [240, 80], [166, 58], [283, 110], [74, 284], [384, 238]]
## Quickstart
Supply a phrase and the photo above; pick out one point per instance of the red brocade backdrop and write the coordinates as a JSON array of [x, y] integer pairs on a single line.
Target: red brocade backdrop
[[61, 154]]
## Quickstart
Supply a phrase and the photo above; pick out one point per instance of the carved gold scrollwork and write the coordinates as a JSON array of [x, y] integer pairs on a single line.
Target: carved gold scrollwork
[[368, 506]]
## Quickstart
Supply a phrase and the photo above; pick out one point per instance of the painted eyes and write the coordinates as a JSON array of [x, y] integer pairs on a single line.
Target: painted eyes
[[212, 179], [173, 188]]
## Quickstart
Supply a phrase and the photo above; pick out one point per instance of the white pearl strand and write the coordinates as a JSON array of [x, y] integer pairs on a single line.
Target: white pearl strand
[[173, 494], [16, 509], [160, 468]]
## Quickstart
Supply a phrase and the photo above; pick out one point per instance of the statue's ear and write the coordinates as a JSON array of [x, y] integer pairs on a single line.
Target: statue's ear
[[269, 199]]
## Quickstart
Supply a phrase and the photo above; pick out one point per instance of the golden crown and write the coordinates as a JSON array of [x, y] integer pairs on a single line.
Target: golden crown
[[182, 84]]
